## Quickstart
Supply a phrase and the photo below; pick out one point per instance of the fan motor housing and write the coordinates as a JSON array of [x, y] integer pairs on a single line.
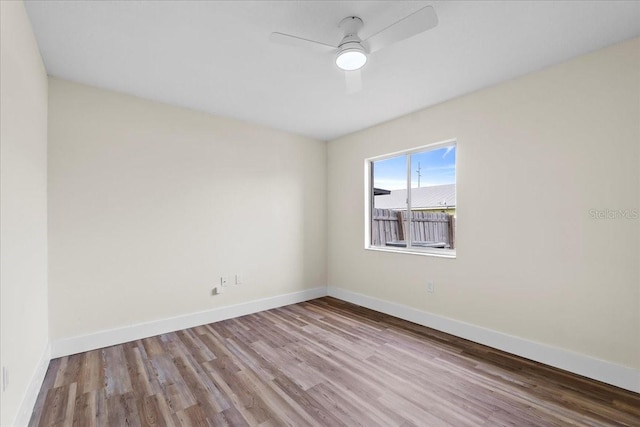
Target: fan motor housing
[[351, 41]]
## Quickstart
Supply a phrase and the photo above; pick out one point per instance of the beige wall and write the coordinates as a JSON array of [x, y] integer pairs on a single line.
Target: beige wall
[[549, 146], [23, 205], [150, 204]]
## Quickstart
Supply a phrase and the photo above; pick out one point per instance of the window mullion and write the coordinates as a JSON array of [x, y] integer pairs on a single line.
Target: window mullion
[[408, 237]]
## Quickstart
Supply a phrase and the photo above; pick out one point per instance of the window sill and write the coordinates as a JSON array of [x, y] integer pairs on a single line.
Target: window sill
[[424, 252]]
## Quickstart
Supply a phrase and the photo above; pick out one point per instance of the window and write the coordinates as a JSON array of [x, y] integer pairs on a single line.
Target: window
[[411, 198]]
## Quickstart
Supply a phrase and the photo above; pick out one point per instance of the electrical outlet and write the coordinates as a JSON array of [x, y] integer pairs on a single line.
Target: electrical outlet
[[238, 279], [5, 378], [224, 281], [431, 287]]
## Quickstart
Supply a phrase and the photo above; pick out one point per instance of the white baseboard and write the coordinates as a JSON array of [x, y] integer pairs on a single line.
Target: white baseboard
[[31, 394], [600, 370], [106, 338], [597, 369]]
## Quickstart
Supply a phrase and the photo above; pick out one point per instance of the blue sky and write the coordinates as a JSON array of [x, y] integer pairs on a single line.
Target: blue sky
[[437, 167]]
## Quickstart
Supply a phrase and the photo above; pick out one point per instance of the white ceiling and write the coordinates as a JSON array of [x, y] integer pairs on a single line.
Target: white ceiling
[[215, 56]]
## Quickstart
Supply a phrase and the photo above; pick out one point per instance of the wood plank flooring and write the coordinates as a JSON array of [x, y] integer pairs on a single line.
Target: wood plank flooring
[[319, 363]]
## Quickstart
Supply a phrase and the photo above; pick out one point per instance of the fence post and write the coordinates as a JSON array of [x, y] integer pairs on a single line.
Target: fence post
[[452, 233]]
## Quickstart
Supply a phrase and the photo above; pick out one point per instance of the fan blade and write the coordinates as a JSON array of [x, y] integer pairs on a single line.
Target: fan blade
[[416, 23], [300, 42], [353, 79]]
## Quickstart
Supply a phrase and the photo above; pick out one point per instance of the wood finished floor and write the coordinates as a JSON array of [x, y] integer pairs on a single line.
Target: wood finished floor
[[323, 363]]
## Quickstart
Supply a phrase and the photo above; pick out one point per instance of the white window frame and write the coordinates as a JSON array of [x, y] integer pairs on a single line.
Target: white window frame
[[368, 197]]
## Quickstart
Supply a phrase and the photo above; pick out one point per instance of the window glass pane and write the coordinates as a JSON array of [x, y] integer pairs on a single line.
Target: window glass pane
[[389, 201], [433, 198], [425, 217]]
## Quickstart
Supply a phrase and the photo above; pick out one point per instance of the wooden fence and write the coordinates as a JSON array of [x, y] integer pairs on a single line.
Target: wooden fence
[[428, 229]]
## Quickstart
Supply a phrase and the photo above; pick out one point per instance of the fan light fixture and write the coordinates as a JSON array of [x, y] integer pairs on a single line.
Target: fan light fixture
[[352, 52], [351, 57]]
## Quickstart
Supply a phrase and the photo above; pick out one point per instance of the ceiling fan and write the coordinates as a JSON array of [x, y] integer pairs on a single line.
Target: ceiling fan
[[352, 52]]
